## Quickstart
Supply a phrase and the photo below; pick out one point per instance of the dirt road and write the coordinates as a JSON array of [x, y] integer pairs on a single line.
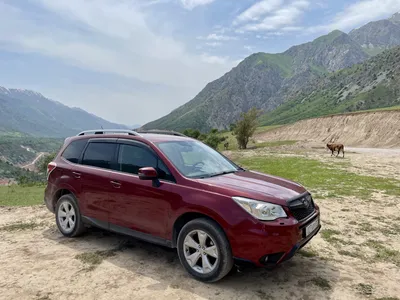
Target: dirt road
[[32, 165], [357, 258]]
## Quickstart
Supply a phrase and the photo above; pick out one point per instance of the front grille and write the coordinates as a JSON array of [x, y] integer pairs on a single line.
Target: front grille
[[302, 207]]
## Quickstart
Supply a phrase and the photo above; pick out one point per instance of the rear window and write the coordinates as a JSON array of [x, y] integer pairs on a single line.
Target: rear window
[[99, 155], [73, 151]]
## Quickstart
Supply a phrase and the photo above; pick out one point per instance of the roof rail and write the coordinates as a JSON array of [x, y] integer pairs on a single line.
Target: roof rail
[[105, 131], [166, 132]]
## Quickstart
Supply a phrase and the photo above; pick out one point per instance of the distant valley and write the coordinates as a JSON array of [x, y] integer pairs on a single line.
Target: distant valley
[[32, 113], [32, 125]]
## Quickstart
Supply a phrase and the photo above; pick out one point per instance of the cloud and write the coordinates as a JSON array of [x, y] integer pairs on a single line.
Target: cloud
[[249, 48], [292, 28], [191, 4], [107, 36], [358, 14], [282, 17], [212, 59], [114, 38], [257, 10], [218, 37], [214, 44]]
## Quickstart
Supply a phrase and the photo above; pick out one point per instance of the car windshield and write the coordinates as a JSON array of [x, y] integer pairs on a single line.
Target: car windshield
[[196, 160]]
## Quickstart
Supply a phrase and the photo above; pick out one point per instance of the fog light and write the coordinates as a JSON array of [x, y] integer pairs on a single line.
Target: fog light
[[266, 259]]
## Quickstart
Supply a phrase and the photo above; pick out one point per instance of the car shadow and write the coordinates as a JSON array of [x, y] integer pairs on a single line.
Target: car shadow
[[299, 278]]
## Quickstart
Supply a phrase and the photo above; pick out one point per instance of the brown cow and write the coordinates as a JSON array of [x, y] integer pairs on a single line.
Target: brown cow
[[335, 147]]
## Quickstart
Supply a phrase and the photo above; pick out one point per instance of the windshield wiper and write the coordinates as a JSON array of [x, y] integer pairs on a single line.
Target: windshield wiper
[[219, 174]]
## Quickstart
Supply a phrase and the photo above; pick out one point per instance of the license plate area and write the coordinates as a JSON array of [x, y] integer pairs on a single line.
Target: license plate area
[[310, 228]]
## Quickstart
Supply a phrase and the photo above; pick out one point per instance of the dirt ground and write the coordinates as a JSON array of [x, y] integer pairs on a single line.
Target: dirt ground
[[358, 258], [367, 129]]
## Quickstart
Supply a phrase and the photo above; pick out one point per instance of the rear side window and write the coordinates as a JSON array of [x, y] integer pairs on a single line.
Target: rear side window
[[132, 158], [99, 155], [74, 150]]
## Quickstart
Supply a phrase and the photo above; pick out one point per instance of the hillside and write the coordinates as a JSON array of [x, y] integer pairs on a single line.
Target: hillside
[[11, 173], [362, 129], [30, 112], [372, 84], [266, 81], [18, 150]]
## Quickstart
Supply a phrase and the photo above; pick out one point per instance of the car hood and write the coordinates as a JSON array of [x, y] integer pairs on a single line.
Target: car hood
[[255, 185]]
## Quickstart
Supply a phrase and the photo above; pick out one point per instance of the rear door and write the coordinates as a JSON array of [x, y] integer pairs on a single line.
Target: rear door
[[98, 159], [67, 171], [137, 204]]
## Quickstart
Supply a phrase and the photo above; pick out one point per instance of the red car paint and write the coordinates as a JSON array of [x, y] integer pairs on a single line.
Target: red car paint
[[122, 200]]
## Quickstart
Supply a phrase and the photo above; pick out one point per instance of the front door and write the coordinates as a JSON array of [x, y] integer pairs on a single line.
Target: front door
[[137, 204]]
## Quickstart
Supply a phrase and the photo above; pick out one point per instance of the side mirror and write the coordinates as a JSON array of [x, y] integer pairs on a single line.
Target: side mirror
[[147, 173]]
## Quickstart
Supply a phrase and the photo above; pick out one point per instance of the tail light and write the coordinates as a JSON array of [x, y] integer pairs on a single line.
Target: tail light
[[50, 167]]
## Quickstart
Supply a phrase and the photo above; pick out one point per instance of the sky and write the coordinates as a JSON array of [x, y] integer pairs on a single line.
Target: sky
[[133, 61]]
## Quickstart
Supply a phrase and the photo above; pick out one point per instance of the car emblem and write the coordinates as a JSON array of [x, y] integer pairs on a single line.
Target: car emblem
[[305, 202]]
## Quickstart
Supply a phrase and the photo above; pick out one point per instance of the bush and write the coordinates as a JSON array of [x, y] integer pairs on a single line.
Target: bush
[[193, 133], [246, 127], [212, 139], [44, 161]]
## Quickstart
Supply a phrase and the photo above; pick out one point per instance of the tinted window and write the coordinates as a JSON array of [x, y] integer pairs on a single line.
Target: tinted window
[[99, 155], [132, 158], [74, 150]]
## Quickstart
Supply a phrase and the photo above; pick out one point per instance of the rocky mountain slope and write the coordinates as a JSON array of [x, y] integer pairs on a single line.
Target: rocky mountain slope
[[374, 37], [266, 81], [30, 112], [372, 84]]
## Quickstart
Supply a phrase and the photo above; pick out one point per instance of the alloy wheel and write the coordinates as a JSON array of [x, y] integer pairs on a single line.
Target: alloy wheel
[[201, 252], [66, 216]]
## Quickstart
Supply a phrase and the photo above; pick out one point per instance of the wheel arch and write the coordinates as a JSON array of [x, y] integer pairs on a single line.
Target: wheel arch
[[59, 193], [187, 217]]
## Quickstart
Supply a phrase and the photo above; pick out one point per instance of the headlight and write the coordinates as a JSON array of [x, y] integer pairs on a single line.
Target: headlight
[[261, 210]]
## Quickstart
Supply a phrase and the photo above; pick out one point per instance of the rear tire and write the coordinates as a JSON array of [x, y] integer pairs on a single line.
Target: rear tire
[[68, 216], [204, 250]]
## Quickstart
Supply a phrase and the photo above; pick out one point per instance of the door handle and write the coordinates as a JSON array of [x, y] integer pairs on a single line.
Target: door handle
[[116, 184], [77, 174]]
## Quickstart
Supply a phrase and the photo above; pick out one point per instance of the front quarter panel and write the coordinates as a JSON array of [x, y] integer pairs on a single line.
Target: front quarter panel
[[222, 209]]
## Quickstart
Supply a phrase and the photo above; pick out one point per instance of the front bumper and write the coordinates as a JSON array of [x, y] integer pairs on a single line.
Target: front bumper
[[279, 243]]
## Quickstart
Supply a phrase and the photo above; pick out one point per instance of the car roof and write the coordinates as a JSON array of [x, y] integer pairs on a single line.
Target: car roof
[[156, 138], [151, 137]]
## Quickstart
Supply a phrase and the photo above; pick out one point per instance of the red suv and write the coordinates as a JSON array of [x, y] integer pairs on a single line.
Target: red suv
[[175, 191]]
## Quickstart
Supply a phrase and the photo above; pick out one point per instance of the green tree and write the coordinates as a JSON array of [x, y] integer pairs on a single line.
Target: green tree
[[246, 127], [212, 139], [193, 133], [44, 161]]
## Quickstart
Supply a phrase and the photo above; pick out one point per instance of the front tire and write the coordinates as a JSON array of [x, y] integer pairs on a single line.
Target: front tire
[[204, 250], [68, 217]]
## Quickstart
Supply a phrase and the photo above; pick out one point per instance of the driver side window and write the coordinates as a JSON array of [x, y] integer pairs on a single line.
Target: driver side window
[[132, 158]]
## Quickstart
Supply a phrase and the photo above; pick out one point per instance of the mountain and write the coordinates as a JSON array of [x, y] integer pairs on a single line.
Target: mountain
[[377, 36], [372, 84], [266, 81], [331, 52], [30, 112]]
